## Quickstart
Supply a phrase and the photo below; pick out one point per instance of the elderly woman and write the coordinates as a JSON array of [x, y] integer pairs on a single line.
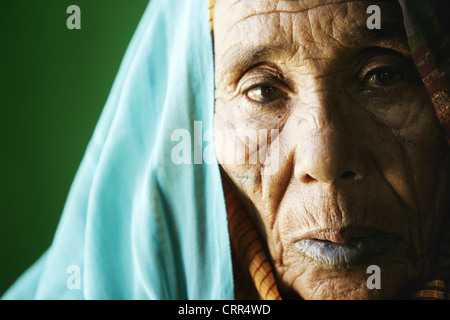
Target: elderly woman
[[336, 190]]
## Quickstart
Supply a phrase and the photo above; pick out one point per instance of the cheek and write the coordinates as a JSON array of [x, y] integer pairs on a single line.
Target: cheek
[[416, 131], [243, 137], [245, 143], [427, 158]]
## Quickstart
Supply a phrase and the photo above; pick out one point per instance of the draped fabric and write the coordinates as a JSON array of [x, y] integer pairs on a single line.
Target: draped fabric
[[136, 224], [427, 28]]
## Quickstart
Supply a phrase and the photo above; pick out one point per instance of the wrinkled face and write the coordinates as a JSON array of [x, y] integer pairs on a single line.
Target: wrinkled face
[[339, 115]]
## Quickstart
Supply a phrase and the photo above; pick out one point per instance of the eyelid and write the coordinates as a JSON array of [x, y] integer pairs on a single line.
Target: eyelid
[[385, 61], [264, 75], [261, 82]]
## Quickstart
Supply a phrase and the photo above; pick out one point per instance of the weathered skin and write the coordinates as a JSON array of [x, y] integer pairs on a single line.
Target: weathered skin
[[361, 150]]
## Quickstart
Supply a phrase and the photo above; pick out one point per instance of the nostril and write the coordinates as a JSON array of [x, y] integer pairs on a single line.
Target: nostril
[[348, 175], [307, 178]]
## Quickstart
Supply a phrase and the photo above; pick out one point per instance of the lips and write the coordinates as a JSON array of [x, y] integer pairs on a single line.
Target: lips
[[334, 249]]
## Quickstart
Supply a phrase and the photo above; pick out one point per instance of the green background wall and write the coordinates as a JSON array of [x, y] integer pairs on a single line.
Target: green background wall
[[53, 85]]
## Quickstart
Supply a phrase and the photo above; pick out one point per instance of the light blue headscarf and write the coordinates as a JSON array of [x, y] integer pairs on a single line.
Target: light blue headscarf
[[136, 225]]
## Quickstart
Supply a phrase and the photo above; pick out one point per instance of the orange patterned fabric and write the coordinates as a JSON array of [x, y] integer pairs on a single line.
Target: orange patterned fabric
[[253, 275], [211, 4], [427, 31], [433, 290]]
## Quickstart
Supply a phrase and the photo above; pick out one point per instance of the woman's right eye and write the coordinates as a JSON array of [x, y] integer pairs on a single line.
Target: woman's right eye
[[265, 94], [384, 77]]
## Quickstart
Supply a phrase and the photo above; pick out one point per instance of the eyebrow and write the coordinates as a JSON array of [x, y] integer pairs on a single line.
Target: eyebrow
[[241, 58], [363, 37]]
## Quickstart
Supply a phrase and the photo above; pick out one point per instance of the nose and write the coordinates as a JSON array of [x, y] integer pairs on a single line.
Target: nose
[[329, 153]]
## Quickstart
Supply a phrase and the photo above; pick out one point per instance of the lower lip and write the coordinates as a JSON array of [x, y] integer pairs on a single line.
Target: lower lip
[[345, 254]]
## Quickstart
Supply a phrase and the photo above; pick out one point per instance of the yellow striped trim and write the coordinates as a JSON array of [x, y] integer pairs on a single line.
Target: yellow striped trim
[[253, 274], [432, 290], [211, 4]]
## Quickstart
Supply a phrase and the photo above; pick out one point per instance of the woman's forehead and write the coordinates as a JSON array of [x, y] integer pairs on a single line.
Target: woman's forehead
[[229, 13], [286, 26], [242, 8]]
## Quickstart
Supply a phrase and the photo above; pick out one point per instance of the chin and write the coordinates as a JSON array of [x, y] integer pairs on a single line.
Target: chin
[[393, 278]]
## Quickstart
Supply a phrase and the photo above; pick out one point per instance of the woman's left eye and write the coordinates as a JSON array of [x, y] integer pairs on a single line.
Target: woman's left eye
[[384, 77], [265, 94]]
